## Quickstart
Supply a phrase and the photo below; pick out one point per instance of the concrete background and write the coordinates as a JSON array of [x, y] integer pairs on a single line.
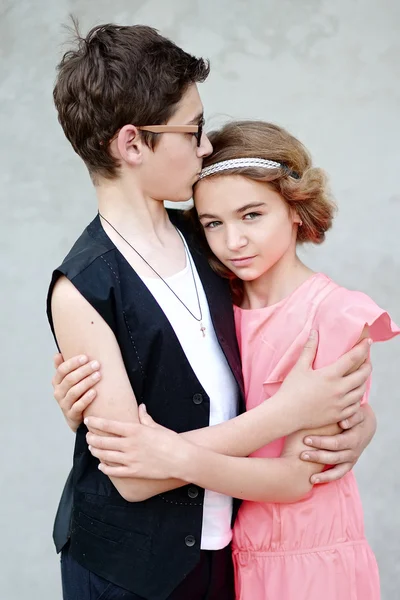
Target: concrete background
[[327, 71]]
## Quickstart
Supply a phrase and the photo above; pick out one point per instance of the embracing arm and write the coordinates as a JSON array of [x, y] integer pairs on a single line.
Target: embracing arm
[[163, 453], [298, 403], [283, 479], [79, 328], [341, 451], [244, 477], [306, 399]]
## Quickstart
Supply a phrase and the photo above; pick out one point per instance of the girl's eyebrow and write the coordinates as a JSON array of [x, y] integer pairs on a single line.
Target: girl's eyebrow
[[207, 216], [250, 205], [237, 211]]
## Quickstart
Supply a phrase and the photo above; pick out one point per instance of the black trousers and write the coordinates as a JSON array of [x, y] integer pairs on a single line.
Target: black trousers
[[211, 579]]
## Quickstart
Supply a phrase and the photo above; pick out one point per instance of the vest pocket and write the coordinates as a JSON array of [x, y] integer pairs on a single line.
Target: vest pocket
[[99, 528], [110, 533]]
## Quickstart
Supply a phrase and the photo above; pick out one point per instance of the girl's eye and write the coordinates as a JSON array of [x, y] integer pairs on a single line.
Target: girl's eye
[[212, 224], [251, 216]]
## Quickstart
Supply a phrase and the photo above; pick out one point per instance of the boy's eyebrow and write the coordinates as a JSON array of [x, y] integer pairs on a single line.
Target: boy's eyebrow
[[197, 119]]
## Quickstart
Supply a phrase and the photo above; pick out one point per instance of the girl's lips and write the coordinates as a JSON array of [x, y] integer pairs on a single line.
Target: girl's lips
[[242, 262]]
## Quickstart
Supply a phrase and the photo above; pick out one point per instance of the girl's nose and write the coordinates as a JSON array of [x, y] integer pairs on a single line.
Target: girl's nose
[[235, 240]]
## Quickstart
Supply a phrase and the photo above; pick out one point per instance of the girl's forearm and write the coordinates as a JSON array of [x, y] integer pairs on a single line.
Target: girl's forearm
[[250, 431], [284, 479], [259, 479], [238, 437]]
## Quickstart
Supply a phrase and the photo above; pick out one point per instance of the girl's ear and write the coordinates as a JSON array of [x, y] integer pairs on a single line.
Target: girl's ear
[[296, 218]]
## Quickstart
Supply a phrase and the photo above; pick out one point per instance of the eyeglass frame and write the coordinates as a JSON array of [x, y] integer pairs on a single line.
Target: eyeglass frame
[[197, 130]]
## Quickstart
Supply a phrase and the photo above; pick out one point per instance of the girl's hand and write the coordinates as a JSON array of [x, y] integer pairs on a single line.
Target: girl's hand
[[73, 385], [142, 450], [320, 397]]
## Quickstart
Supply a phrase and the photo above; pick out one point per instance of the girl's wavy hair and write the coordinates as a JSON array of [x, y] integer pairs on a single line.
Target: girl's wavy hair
[[303, 187]]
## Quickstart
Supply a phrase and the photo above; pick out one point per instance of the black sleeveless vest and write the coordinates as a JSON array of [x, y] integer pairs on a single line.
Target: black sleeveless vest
[[145, 547]]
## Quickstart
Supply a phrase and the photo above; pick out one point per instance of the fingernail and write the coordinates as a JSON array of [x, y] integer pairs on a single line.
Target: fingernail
[[94, 364], [306, 456], [86, 420], [96, 375], [313, 333], [370, 341], [91, 393], [308, 441], [100, 467], [316, 480], [82, 359], [144, 408], [90, 448]]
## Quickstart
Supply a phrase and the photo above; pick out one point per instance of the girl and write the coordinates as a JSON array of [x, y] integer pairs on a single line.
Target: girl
[[253, 214], [258, 198]]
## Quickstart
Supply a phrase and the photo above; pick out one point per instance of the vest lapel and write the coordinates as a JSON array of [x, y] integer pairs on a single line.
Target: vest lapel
[[220, 303]]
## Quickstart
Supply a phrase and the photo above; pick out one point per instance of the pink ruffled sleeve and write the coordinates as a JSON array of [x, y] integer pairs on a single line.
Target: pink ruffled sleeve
[[340, 321]]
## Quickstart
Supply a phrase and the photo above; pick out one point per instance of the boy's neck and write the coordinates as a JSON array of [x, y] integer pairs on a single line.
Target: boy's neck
[[133, 214], [140, 229]]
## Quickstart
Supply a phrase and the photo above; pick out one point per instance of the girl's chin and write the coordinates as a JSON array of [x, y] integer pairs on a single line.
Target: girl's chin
[[246, 274]]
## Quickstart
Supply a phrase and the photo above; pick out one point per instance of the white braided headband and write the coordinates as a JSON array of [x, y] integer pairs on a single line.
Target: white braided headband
[[234, 163]]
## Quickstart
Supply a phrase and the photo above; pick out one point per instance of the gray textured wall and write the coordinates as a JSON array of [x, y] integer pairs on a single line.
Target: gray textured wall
[[327, 71]]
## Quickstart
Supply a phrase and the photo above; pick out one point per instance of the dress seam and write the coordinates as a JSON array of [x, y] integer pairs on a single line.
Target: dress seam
[[267, 553]]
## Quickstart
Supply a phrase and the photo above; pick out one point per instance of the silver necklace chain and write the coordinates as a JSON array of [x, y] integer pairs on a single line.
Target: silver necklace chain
[[199, 320]]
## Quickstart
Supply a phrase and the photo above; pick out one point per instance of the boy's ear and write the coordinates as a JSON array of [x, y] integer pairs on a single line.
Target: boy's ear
[[128, 145]]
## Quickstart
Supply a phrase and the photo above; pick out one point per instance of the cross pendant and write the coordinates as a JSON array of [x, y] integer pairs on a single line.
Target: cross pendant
[[203, 329]]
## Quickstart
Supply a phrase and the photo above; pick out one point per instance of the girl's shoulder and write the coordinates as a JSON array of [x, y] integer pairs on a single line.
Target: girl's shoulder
[[338, 297], [344, 314]]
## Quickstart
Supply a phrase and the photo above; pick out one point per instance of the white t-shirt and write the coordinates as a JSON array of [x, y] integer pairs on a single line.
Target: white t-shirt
[[211, 369]]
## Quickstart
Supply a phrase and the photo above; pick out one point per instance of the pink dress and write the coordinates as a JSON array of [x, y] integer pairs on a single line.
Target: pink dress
[[314, 549]]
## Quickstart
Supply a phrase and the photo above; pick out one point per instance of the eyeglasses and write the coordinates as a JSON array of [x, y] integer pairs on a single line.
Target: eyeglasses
[[197, 130]]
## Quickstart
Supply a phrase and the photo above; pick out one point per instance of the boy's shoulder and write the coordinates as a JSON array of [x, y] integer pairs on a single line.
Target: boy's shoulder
[[91, 265], [89, 249]]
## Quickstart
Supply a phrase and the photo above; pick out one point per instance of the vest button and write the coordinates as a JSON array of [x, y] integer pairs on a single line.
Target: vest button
[[193, 492], [190, 541], [198, 398]]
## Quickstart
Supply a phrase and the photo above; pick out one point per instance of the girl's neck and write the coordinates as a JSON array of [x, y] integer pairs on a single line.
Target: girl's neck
[[276, 284]]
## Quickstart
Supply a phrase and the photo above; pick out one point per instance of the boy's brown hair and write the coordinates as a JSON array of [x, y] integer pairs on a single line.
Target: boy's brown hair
[[116, 76]]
